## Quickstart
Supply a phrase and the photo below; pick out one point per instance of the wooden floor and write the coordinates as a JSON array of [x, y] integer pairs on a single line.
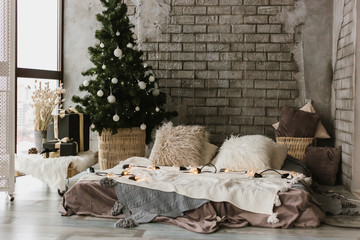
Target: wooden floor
[[34, 215]]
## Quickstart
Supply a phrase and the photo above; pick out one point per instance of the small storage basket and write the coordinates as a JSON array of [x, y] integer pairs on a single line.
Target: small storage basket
[[113, 148], [296, 146]]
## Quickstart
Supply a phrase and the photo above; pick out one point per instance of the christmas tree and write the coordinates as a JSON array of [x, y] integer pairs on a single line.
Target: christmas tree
[[122, 90]]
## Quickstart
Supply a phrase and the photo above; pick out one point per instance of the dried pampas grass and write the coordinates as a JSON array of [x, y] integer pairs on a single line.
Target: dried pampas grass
[[44, 101]]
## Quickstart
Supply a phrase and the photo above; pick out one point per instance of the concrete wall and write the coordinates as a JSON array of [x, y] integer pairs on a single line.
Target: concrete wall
[[344, 87], [228, 64]]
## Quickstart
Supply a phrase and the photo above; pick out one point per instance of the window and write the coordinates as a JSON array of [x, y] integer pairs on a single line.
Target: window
[[39, 57]]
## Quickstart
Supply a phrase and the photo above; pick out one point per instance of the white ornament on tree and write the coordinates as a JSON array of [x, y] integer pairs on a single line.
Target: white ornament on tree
[[118, 52], [142, 85], [111, 98], [100, 93], [117, 33], [145, 65], [151, 78], [134, 36], [103, 66], [92, 126], [137, 108], [86, 83], [157, 109], [155, 92], [102, 45], [129, 45], [143, 126], [114, 80], [116, 118]]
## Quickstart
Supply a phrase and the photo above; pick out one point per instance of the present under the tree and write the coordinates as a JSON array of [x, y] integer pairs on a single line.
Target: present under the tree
[[72, 124], [57, 148]]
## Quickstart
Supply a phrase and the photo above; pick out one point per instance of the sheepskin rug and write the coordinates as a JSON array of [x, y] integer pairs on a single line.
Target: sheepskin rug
[[53, 171], [252, 152], [179, 146]]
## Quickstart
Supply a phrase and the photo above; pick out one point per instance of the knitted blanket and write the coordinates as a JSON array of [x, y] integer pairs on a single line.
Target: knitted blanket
[[142, 204]]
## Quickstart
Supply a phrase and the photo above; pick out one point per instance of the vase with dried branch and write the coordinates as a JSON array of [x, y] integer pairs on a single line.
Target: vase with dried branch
[[44, 101]]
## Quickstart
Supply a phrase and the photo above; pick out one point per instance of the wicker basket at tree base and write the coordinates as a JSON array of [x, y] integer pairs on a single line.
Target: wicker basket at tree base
[[127, 142], [296, 145]]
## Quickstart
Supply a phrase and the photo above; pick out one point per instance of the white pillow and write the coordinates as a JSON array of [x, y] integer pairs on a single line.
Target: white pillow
[[252, 152], [279, 155]]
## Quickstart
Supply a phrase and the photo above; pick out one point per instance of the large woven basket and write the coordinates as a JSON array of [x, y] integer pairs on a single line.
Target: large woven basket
[[296, 145], [113, 148]]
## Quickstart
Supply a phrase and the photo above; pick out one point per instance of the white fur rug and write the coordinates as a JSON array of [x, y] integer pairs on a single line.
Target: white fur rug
[[53, 171]]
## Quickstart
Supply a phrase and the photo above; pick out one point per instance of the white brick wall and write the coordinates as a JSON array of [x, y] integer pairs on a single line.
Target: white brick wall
[[344, 98]]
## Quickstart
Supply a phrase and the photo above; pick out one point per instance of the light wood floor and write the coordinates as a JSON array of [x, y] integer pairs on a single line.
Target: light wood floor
[[34, 215]]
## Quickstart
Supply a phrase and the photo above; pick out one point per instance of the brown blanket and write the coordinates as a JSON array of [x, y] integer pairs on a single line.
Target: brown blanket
[[298, 209]]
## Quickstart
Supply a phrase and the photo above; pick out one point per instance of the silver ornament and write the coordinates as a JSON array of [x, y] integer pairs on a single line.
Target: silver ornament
[[86, 83], [134, 36], [114, 80], [117, 33], [155, 92], [151, 78], [129, 45], [102, 45], [118, 52], [100, 93], [142, 85], [92, 126], [137, 108], [157, 109], [103, 66], [143, 126], [145, 65], [116, 118], [111, 99]]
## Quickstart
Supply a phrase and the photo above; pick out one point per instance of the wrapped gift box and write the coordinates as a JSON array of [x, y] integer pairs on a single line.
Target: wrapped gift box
[[73, 125], [57, 148]]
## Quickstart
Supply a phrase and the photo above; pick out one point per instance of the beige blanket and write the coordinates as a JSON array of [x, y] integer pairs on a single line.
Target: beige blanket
[[256, 195]]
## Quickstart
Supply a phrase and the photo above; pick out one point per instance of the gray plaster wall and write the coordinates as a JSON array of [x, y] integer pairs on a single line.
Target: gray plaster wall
[[317, 38], [229, 105]]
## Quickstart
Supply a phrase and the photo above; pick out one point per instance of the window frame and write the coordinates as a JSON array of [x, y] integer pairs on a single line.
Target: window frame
[[40, 73]]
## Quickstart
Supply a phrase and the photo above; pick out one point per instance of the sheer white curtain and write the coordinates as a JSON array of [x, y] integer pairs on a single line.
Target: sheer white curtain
[[7, 96]]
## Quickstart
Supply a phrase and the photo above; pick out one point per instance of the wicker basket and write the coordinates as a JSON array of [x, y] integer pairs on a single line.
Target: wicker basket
[[113, 148], [296, 146]]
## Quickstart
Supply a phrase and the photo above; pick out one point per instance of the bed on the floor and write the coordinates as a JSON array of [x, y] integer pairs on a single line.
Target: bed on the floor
[[203, 202]]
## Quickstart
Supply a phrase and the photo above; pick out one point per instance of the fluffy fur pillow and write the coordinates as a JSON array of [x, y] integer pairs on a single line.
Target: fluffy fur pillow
[[245, 153], [179, 146]]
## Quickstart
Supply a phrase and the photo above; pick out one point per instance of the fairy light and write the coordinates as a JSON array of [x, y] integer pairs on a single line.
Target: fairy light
[[125, 172], [195, 171]]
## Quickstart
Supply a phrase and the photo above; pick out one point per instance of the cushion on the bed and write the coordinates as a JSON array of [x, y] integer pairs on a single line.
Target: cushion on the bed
[[320, 129], [323, 162], [209, 152], [297, 123], [245, 153], [179, 145], [279, 155]]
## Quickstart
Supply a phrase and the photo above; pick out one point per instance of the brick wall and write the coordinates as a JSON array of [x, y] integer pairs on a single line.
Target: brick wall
[[226, 64], [344, 93]]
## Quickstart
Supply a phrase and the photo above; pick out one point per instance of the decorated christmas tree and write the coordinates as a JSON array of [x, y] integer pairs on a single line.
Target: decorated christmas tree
[[123, 91]]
